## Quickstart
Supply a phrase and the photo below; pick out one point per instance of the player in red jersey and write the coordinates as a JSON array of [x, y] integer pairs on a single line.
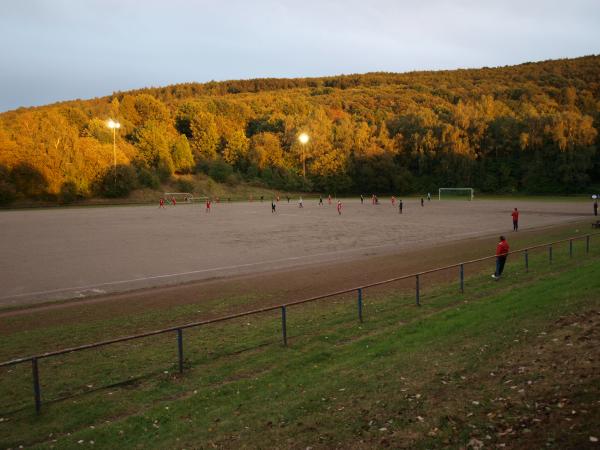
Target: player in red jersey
[[339, 207], [515, 217], [161, 203], [208, 205]]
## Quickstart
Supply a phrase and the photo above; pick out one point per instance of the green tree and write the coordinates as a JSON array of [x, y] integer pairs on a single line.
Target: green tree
[[181, 153], [236, 148], [153, 145], [205, 137]]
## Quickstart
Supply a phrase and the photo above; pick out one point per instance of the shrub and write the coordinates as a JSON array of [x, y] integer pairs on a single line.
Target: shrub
[[148, 178], [7, 192], [68, 192], [220, 170], [184, 185], [120, 185]]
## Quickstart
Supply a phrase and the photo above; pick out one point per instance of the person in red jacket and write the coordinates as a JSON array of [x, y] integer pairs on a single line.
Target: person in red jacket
[[515, 217], [501, 255]]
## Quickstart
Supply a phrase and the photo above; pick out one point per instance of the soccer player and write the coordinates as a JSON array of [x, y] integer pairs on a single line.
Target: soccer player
[[501, 255], [515, 217], [208, 205], [329, 199], [596, 208], [161, 203], [393, 201], [273, 206], [173, 201], [320, 200], [400, 207], [339, 207], [300, 204], [362, 199], [422, 202], [429, 196]]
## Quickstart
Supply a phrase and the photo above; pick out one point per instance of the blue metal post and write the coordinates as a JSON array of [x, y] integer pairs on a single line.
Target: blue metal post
[[587, 244], [284, 325], [360, 305], [180, 348], [417, 291], [570, 248], [526, 261], [462, 278], [36, 385]]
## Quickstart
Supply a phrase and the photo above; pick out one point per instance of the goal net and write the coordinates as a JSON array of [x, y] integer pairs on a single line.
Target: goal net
[[180, 197], [456, 193]]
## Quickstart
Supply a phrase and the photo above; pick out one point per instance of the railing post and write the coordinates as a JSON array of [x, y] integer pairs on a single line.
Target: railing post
[[36, 385], [587, 243], [462, 278], [180, 348], [570, 248], [550, 253], [417, 290], [526, 261], [360, 305], [283, 325]]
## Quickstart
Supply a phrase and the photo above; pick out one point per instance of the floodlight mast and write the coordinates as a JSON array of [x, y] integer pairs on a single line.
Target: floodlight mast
[[114, 126], [303, 138]]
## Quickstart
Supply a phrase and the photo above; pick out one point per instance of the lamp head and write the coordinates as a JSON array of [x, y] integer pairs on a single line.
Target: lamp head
[[112, 124], [303, 138]]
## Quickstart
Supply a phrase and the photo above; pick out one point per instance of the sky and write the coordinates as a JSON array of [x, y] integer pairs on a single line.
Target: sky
[[54, 50]]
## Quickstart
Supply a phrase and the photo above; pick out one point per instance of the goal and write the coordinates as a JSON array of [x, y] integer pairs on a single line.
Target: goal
[[456, 193], [180, 197]]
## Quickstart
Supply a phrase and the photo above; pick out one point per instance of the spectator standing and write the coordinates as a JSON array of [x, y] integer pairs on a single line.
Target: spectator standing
[[501, 254]]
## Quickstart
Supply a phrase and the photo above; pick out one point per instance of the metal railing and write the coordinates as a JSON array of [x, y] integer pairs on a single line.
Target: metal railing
[[283, 307]]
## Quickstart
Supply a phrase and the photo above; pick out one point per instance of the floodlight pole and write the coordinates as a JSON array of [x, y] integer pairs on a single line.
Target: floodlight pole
[[115, 155], [303, 138], [114, 125], [303, 162]]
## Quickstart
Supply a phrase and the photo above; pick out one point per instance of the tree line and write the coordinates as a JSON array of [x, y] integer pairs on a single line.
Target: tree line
[[528, 128]]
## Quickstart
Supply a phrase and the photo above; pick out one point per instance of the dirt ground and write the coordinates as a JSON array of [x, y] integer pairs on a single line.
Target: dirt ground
[[267, 283], [81, 252]]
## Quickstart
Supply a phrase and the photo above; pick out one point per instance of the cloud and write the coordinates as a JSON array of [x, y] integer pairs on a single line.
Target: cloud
[[90, 48]]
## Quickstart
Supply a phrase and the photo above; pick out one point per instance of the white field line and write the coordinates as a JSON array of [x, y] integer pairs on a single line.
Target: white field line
[[454, 237], [195, 272]]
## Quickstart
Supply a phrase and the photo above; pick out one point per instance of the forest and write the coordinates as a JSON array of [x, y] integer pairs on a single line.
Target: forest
[[530, 128]]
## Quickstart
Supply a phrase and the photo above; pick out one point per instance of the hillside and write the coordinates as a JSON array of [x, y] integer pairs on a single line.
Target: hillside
[[527, 128]]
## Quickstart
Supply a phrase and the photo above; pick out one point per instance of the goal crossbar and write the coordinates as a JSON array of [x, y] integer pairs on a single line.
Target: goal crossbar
[[187, 196], [468, 192]]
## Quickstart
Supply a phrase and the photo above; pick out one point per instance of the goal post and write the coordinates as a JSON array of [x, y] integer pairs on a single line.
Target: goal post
[[186, 197], [456, 193]]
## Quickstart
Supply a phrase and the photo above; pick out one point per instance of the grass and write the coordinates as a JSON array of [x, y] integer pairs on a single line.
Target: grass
[[403, 377]]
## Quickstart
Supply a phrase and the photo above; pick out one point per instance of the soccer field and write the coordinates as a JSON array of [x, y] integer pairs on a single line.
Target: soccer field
[[78, 252]]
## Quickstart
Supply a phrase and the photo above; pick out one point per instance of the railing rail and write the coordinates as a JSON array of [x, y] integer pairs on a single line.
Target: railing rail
[[283, 307]]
